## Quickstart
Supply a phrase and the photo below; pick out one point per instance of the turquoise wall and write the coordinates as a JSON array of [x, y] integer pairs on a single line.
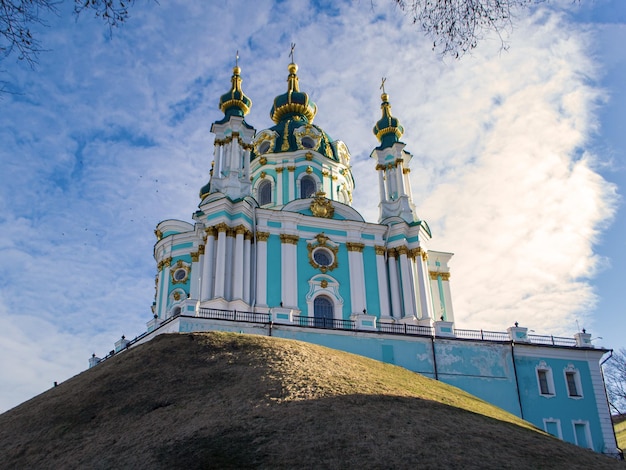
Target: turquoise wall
[[560, 405], [274, 270]]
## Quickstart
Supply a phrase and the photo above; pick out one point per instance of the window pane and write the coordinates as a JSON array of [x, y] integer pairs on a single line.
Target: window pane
[[543, 382], [307, 187], [265, 193], [571, 384]]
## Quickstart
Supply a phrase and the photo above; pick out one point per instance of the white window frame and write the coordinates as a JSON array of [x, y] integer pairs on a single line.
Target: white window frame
[[587, 432], [543, 367], [259, 182], [570, 369], [558, 426]]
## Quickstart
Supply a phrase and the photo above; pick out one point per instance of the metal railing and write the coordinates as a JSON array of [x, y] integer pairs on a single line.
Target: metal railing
[[329, 323]]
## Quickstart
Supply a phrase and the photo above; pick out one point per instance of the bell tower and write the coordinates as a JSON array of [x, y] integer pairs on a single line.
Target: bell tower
[[392, 164]]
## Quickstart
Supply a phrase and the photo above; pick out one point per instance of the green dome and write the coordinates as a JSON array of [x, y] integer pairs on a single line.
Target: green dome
[[235, 103], [388, 129], [294, 103]]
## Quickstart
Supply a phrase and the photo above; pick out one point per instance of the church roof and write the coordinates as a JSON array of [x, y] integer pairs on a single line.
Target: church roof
[[235, 102], [293, 110], [388, 129]]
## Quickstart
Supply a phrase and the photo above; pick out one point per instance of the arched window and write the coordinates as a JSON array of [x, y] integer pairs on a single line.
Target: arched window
[[323, 312], [264, 192], [307, 187]]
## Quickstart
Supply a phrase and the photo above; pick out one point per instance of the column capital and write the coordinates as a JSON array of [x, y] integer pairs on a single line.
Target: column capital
[[262, 236], [358, 247], [402, 250], [290, 239], [195, 255], [221, 227], [210, 231], [240, 230], [380, 250], [200, 249]]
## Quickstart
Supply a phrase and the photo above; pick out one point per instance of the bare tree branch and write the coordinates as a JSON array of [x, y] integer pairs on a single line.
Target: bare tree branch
[[456, 26], [615, 379]]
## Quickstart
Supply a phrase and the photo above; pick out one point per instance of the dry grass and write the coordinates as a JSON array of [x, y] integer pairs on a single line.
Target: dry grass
[[620, 433], [217, 400]]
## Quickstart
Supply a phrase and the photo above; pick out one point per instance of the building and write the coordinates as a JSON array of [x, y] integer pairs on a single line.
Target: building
[[276, 248]]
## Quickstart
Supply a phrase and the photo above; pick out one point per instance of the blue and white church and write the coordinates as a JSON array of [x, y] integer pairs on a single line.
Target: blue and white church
[[275, 248]]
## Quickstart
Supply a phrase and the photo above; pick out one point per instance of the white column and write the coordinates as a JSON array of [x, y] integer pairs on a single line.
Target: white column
[[279, 186], [400, 177], [261, 268], [218, 161], [357, 277], [396, 309], [246, 165], [230, 242], [238, 257], [220, 261], [381, 184], [194, 282], [291, 182], [289, 272], [383, 290], [164, 282], [425, 296], [247, 240], [208, 265], [407, 284], [407, 182], [445, 284]]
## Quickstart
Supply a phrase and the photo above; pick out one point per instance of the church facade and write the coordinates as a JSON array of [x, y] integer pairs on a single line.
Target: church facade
[[276, 248]]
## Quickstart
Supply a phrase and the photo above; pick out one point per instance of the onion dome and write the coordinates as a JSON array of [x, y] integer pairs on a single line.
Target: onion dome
[[294, 104], [388, 129], [235, 103]]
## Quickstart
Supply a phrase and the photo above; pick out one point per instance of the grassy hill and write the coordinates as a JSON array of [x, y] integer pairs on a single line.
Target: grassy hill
[[217, 400]]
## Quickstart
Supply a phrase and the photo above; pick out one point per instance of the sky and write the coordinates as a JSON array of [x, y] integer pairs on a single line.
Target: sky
[[519, 162]]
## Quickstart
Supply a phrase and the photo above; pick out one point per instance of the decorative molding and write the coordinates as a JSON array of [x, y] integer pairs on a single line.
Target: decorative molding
[[308, 156], [402, 250], [358, 247], [195, 256], [322, 207], [158, 234], [380, 250], [180, 264], [262, 236], [323, 241], [230, 232], [263, 160], [291, 168], [323, 283], [201, 249], [240, 230], [406, 171], [262, 175], [210, 231], [435, 274], [247, 235], [391, 252], [279, 169], [290, 239], [221, 228]]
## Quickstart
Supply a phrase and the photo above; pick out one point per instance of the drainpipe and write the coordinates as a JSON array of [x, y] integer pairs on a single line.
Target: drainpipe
[[519, 397], [432, 344]]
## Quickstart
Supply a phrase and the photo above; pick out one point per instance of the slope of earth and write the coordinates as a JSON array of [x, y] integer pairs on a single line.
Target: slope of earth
[[217, 400]]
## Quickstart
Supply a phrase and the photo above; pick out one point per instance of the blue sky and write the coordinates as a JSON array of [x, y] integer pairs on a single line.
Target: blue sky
[[519, 159]]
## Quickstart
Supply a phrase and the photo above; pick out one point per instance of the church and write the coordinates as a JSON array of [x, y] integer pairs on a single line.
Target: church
[[275, 248]]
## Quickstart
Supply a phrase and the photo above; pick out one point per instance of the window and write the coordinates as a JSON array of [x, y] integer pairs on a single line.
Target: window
[[323, 257], [572, 380], [545, 380], [264, 147], [552, 426], [308, 142], [582, 434], [264, 192], [323, 312], [307, 187], [180, 275]]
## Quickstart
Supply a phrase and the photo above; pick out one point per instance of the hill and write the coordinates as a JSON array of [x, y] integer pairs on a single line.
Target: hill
[[217, 400]]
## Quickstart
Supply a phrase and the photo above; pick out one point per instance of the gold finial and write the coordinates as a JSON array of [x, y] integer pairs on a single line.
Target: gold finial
[[293, 46]]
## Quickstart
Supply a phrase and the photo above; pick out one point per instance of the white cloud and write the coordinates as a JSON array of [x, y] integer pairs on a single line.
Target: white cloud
[[111, 136]]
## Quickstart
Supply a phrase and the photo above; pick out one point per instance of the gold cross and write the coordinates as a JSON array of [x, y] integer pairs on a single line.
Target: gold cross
[[237, 59], [293, 46], [382, 85]]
